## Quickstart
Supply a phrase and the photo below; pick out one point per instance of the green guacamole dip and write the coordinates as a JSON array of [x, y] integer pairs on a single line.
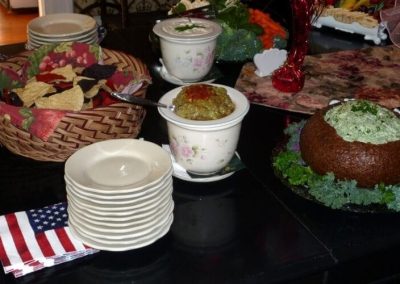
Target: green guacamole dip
[[364, 121], [203, 102]]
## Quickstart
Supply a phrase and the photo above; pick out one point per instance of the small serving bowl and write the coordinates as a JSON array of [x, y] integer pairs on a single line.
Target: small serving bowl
[[188, 53], [204, 147]]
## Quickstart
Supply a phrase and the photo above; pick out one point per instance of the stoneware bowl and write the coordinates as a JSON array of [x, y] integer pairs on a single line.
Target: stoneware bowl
[[187, 46], [204, 147]]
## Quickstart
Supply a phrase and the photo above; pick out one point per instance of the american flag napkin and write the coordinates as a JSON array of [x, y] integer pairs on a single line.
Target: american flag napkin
[[38, 238]]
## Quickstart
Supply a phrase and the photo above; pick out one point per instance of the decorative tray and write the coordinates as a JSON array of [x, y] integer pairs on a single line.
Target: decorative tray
[[369, 73]]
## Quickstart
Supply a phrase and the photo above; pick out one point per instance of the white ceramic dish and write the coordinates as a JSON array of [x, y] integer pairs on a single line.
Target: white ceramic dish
[[112, 193], [133, 208], [180, 172], [173, 80], [90, 40], [113, 217], [114, 234], [188, 46], [61, 25], [211, 178], [83, 35], [122, 245], [121, 238], [125, 223], [100, 200], [204, 147], [118, 165]]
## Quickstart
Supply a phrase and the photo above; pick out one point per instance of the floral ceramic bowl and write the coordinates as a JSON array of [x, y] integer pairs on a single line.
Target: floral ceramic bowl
[[188, 46], [204, 147]]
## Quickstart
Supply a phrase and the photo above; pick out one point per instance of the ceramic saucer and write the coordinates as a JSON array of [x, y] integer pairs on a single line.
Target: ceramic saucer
[[176, 81], [180, 172]]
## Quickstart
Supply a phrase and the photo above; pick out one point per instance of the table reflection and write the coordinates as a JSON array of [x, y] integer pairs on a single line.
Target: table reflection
[[204, 222]]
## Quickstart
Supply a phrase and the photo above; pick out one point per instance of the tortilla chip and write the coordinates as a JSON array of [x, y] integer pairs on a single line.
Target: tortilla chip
[[95, 89], [88, 105], [71, 99], [85, 83], [32, 91], [65, 71]]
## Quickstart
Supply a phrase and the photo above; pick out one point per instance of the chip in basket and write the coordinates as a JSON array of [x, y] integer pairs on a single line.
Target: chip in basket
[[71, 99], [33, 91]]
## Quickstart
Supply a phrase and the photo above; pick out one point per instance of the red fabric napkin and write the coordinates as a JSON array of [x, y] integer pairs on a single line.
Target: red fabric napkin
[[39, 122]]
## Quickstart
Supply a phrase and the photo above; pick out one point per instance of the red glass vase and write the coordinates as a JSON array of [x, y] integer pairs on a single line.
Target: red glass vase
[[290, 77]]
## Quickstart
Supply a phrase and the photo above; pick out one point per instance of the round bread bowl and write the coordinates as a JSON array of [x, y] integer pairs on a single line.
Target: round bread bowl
[[369, 164]]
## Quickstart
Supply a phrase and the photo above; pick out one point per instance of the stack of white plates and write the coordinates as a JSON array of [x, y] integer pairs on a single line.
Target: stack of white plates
[[119, 194], [56, 28]]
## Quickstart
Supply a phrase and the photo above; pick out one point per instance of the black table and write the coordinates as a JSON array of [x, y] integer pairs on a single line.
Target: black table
[[248, 228]]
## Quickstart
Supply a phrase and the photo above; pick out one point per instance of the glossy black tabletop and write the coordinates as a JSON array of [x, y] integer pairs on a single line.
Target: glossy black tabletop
[[248, 228]]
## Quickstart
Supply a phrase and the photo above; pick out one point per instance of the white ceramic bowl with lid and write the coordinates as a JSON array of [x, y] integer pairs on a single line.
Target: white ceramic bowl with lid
[[204, 147], [188, 46]]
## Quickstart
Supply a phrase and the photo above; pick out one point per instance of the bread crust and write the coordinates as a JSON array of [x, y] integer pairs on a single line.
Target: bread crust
[[369, 164]]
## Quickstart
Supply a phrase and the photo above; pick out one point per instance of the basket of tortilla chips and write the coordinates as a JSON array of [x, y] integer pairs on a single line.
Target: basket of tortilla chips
[[56, 99]]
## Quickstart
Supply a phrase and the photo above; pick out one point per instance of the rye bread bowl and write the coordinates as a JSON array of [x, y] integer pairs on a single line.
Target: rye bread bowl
[[369, 164]]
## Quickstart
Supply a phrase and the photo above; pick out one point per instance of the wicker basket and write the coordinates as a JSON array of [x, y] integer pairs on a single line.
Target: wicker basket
[[78, 129]]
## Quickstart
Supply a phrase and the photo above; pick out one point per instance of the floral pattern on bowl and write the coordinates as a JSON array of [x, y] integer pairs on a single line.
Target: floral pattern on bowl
[[198, 60], [180, 147]]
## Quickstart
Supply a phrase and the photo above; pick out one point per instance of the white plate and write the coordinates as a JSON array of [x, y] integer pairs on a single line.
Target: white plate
[[134, 206], [91, 39], [130, 209], [122, 224], [173, 80], [116, 219], [116, 194], [130, 200], [114, 234], [118, 165], [84, 35], [120, 238], [61, 25], [128, 195], [122, 246]]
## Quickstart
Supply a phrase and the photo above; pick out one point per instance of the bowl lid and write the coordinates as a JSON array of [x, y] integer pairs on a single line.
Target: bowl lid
[[242, 106], [185, 29]]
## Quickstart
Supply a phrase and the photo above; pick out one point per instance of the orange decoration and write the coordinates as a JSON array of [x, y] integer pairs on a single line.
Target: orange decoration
[[271, 28]]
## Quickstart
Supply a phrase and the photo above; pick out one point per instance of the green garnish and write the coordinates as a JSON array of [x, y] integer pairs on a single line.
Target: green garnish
[[325, 188], [188, 27], [364, 106]]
